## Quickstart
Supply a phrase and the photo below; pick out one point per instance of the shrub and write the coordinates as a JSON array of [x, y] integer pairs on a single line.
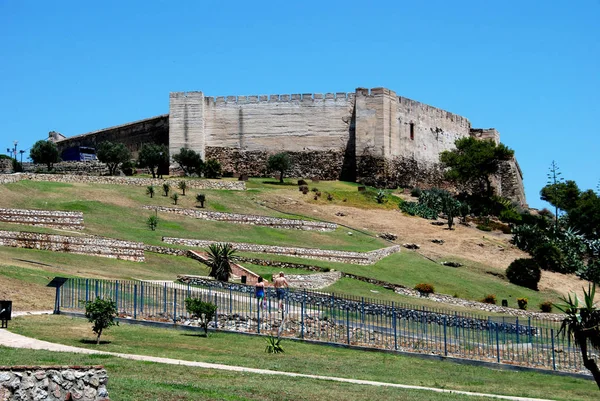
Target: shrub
[[201, 198], [489, 299], [510, 216], [546, 306], [101, 313], [150, 191], [380, 197], [592, 271], [483, 227], [315, 189], [549, 257], [329, 197], [528, 237], [302, 182], [302, 188], [522, 302], [318, 193], [203, 311], [524, 272], [152, 222], [128, 168], [416, 192], [166, 188], [189, 161], [175, 198], [212, 169], [273, 345], [279, 162], [183, 186], [425, 288], [416, 209]]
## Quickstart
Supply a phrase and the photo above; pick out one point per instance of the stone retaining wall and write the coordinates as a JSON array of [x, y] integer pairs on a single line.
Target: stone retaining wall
[[313, 281], [273, 222], [132, 181], [43, 218], [70, 167], [84, 383], [93, 246], [358, 258]]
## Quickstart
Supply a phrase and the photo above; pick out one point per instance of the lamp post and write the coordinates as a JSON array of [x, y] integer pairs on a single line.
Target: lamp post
[[21, 152], [15, 151]]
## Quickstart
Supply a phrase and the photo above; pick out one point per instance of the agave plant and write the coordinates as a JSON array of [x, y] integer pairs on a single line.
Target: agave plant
[[582, 324], [219, 258], [273, 345]]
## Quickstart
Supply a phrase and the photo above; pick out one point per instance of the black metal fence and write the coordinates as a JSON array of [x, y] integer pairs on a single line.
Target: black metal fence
[[342, 320]]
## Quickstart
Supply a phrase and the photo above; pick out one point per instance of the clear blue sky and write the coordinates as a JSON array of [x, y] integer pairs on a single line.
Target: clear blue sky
[[531, 69]]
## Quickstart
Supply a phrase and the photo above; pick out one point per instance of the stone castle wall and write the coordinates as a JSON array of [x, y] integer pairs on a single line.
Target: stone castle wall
[[84, 383]]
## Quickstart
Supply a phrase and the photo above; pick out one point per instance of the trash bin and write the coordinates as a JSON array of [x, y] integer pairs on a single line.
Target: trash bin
[[5, 312], [243, 279]]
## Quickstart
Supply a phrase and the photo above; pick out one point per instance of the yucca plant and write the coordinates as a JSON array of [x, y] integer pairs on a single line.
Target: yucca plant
[[219, 258], [175, 198], [152, 222], [201, 198], [183, 186], [582, 324], [166, 189], [150, 191], [273, 345]]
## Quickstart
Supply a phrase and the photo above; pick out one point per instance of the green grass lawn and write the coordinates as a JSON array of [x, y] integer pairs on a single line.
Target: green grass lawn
[[242, 350], [133, 381]]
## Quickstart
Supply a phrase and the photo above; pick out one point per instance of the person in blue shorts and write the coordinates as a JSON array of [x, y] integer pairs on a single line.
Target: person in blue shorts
[[260, 293], [280, 284]]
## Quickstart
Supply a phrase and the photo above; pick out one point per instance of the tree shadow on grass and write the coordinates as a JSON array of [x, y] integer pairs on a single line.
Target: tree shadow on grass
[[202, 335], [285, 184], [93, 342]]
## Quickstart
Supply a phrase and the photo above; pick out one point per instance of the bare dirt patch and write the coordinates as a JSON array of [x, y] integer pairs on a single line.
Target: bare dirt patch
[[26, 296]]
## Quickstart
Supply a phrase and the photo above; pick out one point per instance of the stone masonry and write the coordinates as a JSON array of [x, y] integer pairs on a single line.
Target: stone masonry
[[53, 383], [370, 135], [43, 218]]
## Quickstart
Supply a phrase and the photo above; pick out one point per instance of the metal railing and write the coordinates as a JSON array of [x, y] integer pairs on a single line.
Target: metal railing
[[341, 320]]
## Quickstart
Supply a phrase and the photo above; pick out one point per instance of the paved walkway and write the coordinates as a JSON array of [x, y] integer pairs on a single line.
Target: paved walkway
[[13, 340]]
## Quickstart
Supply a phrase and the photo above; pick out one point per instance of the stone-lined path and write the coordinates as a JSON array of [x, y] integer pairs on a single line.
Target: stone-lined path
[[9, 339]]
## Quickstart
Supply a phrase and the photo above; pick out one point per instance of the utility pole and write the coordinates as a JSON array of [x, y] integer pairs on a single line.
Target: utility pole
[[21, 152], [15, 150]]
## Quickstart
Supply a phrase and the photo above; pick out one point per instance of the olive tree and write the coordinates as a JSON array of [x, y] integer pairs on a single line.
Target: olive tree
[[101, 313]]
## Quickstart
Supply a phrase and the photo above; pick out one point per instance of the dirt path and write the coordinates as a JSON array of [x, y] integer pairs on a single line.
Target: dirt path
[[13, 340]]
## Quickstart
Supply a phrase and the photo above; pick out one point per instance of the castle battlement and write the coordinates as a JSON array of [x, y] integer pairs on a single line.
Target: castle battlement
[[274, 98]]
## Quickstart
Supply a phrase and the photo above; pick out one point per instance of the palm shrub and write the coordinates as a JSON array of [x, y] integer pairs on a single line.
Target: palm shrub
[[175, 198], [201, 198], [203, 311], [101, 313], [150, 191], [524, 272], [166, 189], [273, 345], [219, 258], [183, 186], [582, 324], [152, 222]]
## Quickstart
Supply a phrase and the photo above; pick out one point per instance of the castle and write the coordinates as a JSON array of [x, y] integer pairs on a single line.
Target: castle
[[372, 136]]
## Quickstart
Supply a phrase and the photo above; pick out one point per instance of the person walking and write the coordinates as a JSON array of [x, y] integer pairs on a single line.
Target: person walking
[[260, 293], [280, 283]]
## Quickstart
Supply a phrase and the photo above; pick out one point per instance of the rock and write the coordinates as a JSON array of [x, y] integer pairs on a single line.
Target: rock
[[411, 246], [438, 223], [438, 241], [349, 233], [341, 214], [452, 264], [388, 236]]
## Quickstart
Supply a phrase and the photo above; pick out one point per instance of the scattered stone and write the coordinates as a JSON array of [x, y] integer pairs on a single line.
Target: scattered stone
[[341, 214], [438, 241], [411, 246], [452, 264], [349, 233], [438, 223], [388, 236]]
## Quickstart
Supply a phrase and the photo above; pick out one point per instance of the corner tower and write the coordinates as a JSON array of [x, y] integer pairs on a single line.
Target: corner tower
[[186, 122]]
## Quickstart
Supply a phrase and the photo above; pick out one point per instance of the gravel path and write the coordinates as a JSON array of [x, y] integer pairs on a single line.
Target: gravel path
[[13, 340]]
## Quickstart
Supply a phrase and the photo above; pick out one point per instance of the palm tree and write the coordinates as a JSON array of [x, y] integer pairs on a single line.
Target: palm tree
[[219, 257], [582, 324]]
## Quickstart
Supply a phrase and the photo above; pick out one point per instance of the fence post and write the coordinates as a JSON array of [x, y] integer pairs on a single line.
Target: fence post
[[57, 302], [135, 301], [117, 294], [517, 328], [175, 306], [529, 329], [362, 319], [553, 354], [258, 319], [445, 338], [302, 315], [87, 290], [497, 343], [230, 295], [142, 298], [395, 327], [165, 300], [96, 282], [216, 313], [348, 326]]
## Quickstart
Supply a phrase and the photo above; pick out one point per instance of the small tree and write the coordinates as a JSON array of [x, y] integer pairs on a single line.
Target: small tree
[[113, 154], [582, 324], [153, 157], [219, 258], [44, 152], [183, 186], [189, 161], [212, 169], [450, 207], [101, 313], [175, 198], [166, 189], [203, 311], [524, 272], [150, 191], [279, 162], [152, 222], [201, 198]]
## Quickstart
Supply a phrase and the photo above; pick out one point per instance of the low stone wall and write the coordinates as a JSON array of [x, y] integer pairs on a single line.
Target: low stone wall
[[132, 181], [257, 220], [94, 246], [43, 218], [165, 250], [71, 167], [6, 166], [84, 383], [313, 281], [358, 258]]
